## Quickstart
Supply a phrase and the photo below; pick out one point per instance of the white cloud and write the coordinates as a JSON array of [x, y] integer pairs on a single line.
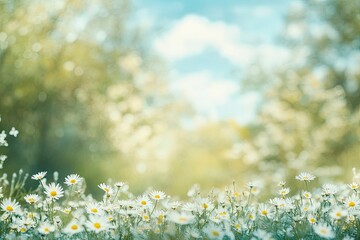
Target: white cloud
[[193, 34]]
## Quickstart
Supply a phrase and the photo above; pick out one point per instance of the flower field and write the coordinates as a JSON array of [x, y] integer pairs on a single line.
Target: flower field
[[60, 209]]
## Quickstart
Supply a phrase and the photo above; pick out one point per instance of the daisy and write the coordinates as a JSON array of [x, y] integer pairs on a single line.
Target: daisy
[[324, 230], [205, 204], [97, 223], [352, 202], [94, 208], [353, 186], [122, 186], [338, 213], [304, 176], [284, 191], [106, 188], [311, 219], [54, 191], [32, 198], [181, 218], [10, 206], [157, 195], [73, 227], [46, 228], [261, 234], [72, 179], [307, 194], [266, 211], [143, 201], [38, 176], [214, 232], [329, 189]]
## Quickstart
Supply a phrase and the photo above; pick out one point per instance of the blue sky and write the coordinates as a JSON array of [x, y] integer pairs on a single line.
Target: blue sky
[[205, 41]]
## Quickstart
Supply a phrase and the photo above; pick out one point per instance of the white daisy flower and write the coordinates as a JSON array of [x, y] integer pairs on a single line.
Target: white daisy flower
[[144, 201], [106, 188], [157, 195], [94, 208], [324, 230], [72, 179], [353, 186], [181, 218], [38, 176], [46, 228], [73, 227], [284, 191], [97, 223], [307, 194], [10, 206], [266, 211], [338, 213], [54, 191], [352, 202], [304, 176], [214, 232], [32, 198]]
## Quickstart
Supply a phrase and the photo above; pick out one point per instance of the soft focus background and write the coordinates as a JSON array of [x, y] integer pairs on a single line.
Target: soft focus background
[[171, 93]]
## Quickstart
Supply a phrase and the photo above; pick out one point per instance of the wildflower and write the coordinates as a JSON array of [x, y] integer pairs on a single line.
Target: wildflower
[[39, 176], [46, 228], [329, 189], [307, 194], [284, 191], [159, 215], [352, 202], [106, 188], [338, 213], [263, 235], [281, 184], [304, 176], [32, 198], [94, 208], [214, 232], [54, 191], [97, 223], [10, 206], [122, 186], [73, 227], [205, 204], [353, 186], [144, 201], [72, 179], [157, 195], [13, 132], [181, 218], [324, 230], [266, 211], [311, 219]]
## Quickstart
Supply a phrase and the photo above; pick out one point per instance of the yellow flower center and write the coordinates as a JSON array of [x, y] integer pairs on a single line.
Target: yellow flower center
[[143, 202], [31, 200], [215, 233], [53, 193], [46, 230], [106, 189], [157, 196], [182, 219], [338, 214], [264, 212], [146, 217], [97, 225], [323, 231], [312, 220], [74, 227], [352, 204], [205, 206], [22, 230], [72, 181], [9, 208], [94, 210]]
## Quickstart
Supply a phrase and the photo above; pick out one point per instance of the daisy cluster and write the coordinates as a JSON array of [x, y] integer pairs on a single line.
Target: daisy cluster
[[60, 209]]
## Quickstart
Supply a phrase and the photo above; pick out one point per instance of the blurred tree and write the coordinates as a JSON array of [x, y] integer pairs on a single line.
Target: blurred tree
[[77, 80], [310, 113]]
